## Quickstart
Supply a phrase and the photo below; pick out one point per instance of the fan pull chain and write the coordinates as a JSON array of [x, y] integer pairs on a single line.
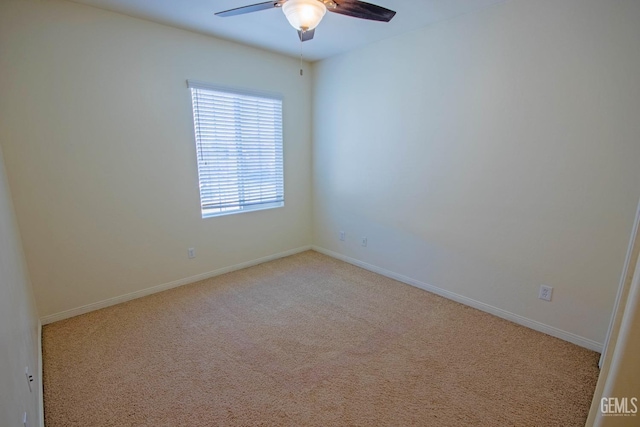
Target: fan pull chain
[[301, 73]]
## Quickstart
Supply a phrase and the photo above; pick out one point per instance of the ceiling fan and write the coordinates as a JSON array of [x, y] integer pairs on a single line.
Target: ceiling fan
[[305, 15]]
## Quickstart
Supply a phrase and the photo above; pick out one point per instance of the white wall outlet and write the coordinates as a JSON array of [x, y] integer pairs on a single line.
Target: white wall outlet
[[342, 235], [363, 242], [29, 378], [191, 253], [545, 292]]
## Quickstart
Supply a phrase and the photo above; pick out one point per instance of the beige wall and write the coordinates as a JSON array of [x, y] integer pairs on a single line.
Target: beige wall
[[18, 322], [96, 126], [489, 155]]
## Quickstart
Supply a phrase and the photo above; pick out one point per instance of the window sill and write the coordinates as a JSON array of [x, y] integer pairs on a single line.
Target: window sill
[[209, 214]]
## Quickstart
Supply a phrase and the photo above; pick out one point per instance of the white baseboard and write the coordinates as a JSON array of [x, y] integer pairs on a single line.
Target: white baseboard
[[159, 288], [529, 323], [41, 377]]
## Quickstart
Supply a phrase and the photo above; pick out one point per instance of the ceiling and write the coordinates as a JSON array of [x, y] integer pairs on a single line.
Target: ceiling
[[269, 29]]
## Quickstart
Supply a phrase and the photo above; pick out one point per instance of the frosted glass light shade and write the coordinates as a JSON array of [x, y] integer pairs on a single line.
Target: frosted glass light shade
[[304, 15]]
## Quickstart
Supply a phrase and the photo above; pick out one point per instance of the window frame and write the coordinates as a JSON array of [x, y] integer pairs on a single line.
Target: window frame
[[279, 181]]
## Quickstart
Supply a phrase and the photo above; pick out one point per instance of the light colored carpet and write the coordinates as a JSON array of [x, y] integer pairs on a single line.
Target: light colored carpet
[[308, 341]]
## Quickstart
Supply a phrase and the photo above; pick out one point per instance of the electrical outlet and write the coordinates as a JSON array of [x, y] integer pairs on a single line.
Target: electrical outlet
[[342, 235], [363, 242], [545, 292], [191, 253], [29, 378]]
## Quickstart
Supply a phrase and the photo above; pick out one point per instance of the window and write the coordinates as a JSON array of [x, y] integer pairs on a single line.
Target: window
[[239, 148]]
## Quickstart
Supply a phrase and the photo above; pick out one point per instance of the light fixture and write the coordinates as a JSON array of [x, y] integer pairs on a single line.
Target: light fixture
[[304, 15]]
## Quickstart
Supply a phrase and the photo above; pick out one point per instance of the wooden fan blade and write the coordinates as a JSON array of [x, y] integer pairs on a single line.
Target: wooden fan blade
[[362, 10], [306, 35], [251, 8]]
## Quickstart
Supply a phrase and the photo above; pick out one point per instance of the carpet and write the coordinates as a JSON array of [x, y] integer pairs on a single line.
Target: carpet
[[308, 340]]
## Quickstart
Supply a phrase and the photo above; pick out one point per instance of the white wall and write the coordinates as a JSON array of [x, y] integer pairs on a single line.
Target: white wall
[[96, 127], [620, 374], [488, 155], [18, 322]]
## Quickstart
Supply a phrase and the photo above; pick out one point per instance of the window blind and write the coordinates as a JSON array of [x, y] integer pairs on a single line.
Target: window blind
[[239, 148]]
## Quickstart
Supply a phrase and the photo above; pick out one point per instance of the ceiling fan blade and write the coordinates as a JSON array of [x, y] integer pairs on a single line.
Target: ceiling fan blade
[[307, 35], [362, 10], [251, 8]]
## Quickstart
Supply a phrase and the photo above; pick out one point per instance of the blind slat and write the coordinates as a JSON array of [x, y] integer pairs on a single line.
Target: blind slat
[[239, 148]]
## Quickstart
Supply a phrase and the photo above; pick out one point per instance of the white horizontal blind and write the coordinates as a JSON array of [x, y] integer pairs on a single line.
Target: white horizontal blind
[[239, 148]]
